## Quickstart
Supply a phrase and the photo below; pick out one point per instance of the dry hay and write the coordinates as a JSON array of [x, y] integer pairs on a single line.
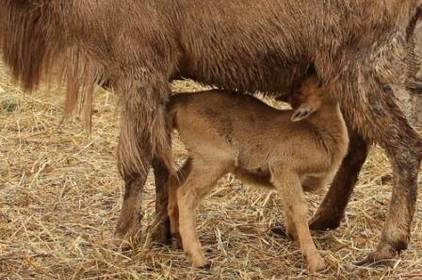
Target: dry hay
[[60, 195]]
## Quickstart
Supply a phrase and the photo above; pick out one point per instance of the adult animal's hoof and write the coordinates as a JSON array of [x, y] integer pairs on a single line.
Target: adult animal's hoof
[[378, 258], [324, 222], [162, 236]]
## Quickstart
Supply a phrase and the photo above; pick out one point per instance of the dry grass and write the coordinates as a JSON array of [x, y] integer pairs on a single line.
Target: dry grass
[[60, 195]]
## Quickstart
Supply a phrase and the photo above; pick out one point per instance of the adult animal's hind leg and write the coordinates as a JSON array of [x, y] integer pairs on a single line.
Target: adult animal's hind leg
[[161, 175], [331, 211], [200, 181], [143, 134], [129, 225]]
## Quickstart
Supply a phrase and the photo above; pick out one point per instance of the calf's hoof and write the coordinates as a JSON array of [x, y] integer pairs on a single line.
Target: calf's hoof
[[206, 266], [199, 261], [316, 264], [178, 239]]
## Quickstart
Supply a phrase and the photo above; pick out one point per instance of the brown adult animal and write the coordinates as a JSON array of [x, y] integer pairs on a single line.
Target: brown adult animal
[[284, 149], [245, 45]]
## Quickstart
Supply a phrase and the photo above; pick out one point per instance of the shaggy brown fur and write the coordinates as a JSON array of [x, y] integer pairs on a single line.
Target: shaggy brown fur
[[288, 150], [245, 45]]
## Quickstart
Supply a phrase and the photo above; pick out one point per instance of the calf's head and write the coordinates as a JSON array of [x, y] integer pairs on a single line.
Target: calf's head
[[307, 98]]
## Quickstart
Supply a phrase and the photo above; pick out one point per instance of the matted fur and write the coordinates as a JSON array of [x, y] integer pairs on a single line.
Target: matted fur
[[245, 45]]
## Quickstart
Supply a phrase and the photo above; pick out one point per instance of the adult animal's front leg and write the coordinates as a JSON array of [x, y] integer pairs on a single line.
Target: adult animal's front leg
[[403, 148], [378, 117], [143, 135]]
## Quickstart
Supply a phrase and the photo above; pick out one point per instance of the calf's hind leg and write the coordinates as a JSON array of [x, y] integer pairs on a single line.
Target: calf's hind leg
[[173, 210], [199, 182], [288, 185]]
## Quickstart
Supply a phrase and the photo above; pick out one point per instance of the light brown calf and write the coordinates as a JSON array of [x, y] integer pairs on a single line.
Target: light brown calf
[[290, 150]]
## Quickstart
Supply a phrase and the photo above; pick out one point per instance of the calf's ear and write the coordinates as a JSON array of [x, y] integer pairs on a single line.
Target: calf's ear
[[415, 87], [302, 113]]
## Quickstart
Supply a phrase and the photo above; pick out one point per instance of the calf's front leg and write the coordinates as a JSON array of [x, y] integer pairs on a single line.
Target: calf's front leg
[[288, 185]]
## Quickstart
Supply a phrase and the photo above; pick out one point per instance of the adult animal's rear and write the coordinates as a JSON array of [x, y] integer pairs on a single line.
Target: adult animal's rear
[[248, 45]]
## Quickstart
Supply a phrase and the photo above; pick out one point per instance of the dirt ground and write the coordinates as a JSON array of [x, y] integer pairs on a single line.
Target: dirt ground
[[60, 195]]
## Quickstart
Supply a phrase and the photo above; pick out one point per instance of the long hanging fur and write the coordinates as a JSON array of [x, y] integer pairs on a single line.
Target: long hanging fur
[[36, 45]]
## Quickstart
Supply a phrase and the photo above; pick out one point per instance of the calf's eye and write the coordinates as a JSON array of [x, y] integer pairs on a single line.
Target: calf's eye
[[387, 89]]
